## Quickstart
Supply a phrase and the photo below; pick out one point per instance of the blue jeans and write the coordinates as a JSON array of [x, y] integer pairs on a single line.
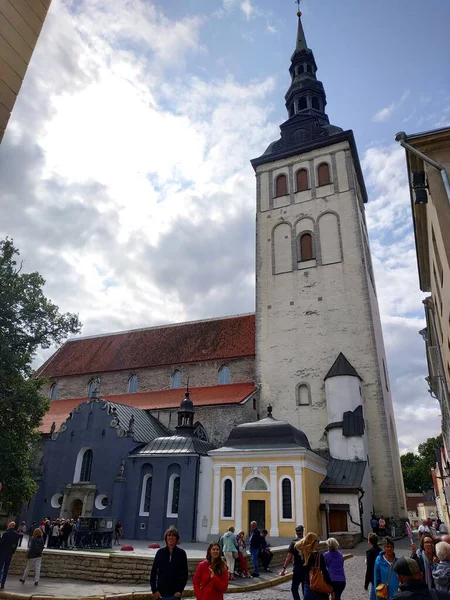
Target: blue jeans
[[5, 561], [254, 554]]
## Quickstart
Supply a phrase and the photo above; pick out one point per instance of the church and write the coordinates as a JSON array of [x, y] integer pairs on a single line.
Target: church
[[283, 416]]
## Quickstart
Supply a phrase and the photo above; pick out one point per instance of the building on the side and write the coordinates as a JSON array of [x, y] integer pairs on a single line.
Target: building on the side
[[428, 166], [20, 26], [313, 352]]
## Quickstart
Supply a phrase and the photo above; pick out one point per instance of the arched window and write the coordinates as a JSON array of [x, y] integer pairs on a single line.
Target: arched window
[[86, 466], [315, 103], [224, 375], [302, 103], [309, 68], [286, 498], [227, 501], [146, 495], [330, 239], [92, 388], [301, 69], [305, 247], [175, 380], [256, 484], [323, 174], [53, 393], [303, 395], [173, 497], [281, 186], [302, 180], [133, 384]]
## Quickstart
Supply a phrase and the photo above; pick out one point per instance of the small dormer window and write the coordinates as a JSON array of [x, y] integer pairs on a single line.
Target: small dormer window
[[53, 394], [224, 375]]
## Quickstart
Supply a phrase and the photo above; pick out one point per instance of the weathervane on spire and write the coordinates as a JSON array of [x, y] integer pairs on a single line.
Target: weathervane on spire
[[297, 2]]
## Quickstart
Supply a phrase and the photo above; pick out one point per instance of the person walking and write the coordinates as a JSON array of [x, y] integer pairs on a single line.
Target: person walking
[[371, 556], [230, 550], [335, 565], [426, 558], [118, 533], [21, 530], [298, 575], [34, 556], [374, 523], [8, 545], [255, 545], [169, 572], [265, 553], [384, 573], [309, 548], [211, 575], [242, 550], [441, 574], [381, 526], [412, 585]]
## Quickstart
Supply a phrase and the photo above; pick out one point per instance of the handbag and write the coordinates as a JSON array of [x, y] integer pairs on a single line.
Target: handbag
[[316, 580], [382, 589]]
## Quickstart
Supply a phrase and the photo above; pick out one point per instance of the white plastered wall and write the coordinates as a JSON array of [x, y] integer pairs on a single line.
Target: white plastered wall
[[204, 499]]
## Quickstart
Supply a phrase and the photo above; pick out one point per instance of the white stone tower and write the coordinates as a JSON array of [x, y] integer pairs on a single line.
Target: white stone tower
[[315, 289]]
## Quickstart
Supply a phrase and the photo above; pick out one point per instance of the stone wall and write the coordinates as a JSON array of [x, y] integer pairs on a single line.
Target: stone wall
[[153, 379], [116, 567]]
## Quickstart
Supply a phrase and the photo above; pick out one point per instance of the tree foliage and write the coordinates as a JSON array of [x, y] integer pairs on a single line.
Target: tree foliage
[[28, 320], [416, 467]]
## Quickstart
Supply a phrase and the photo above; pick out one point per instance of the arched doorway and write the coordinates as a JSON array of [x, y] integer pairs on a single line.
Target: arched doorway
[[77, 509]]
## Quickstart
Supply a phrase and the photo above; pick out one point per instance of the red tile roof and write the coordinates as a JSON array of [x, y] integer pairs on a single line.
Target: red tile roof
[[213, 339], [233, 393]]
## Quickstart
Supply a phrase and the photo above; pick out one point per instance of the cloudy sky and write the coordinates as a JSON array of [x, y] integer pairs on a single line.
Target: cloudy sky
[[125, 166]]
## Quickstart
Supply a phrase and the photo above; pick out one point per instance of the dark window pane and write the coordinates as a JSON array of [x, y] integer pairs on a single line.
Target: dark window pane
[[86, 466], [287, 498], [306, 247], [175, 495], [148, 494], [227, 498], [302, 103]]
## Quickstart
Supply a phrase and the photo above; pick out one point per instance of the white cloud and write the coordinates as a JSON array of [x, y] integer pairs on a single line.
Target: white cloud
[[386, 112]]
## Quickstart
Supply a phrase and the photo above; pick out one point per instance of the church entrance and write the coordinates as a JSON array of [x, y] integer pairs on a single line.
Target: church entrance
[[257, 512], [77, 509]]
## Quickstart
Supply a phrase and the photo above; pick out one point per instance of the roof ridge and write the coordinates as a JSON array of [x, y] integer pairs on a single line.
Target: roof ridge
[[154, 327]]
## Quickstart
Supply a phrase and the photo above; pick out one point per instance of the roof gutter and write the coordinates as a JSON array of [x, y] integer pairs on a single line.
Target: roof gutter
[[401, 137]]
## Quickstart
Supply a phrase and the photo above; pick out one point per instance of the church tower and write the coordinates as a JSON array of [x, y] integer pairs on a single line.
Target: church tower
[[316, 300]]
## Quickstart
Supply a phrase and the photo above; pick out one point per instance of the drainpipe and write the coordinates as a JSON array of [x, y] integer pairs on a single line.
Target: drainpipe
[[401, 137]]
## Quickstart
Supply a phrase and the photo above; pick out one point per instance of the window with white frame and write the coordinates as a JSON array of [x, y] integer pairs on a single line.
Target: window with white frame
[[173, 497], [224, 375], [133, 384], [83, 465], [146, 495], [175, 380], [286, 499], [227, 499]]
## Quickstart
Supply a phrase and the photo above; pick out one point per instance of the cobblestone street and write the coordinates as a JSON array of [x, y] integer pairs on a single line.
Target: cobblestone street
[[355, 570]]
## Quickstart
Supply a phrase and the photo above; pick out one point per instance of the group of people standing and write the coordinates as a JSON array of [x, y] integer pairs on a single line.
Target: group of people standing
[[234, 549], [424, 575]]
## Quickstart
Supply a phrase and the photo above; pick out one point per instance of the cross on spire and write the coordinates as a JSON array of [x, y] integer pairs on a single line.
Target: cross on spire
[[297, 2]]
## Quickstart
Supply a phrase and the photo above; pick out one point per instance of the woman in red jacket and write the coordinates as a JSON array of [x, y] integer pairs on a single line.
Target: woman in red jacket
[[211, 575]]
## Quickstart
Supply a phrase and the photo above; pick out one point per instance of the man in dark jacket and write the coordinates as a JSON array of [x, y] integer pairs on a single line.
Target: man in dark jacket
[[170, 568], [412, 585], [371, 556], [255, 545], [8, 545], [298, 575]]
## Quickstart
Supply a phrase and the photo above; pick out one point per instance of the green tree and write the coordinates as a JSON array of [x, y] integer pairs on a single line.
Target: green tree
[[28, 320], [416, 468]]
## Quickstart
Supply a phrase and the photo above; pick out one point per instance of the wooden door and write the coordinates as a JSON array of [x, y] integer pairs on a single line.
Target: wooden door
[[338, 521]]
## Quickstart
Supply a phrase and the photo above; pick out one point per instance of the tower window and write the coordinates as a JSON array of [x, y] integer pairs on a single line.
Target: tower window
[[302, 180], [281, 186], [86, 466], [301, 69], [227, 507], [309, 68], [175, 380], [133, 384], [315, 104], [302, 103], [305, 247], [323, 174], [303, 395], [224, 375], [53, 394]]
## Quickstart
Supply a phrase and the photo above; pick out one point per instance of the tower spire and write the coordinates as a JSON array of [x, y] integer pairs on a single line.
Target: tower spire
[[301, 40]]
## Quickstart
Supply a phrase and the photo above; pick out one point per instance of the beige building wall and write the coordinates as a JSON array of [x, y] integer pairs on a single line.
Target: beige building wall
[[20, 25], [432, 234]]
